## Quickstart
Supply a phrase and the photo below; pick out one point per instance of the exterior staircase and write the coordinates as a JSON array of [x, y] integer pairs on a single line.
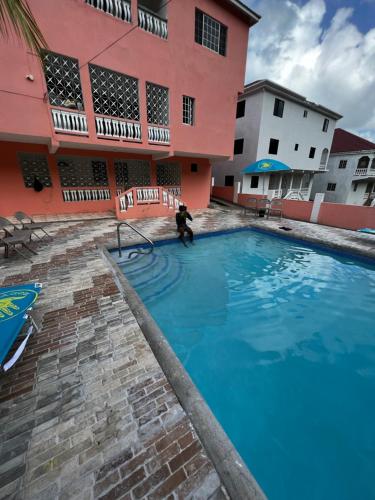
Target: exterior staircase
[[143, 202]]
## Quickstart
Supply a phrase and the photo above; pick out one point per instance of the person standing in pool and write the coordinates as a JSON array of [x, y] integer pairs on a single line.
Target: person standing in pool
[[182, 227]]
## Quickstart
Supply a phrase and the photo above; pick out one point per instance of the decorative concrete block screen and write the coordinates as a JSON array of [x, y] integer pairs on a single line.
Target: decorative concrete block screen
[[80, 171], [114, 94], [168, 174], [132, 173], [157, 104], [34, 165], [63, 80]]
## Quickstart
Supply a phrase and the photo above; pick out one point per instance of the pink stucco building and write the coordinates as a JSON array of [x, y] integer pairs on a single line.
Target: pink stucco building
[[129, 95]]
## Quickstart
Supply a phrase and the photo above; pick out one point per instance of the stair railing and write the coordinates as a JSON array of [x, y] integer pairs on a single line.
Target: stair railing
[[137, 251]]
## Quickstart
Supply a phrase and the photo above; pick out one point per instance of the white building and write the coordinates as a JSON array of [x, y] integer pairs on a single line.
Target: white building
[[276, 123], [350, 177]]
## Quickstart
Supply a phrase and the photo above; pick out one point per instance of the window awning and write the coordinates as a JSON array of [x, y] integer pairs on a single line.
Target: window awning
[[265, 166]]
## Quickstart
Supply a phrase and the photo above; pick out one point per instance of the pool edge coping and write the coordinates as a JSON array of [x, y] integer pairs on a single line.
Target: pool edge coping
[[232, 470]]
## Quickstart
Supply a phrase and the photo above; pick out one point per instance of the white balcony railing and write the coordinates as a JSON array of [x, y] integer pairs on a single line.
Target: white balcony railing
[[69, 122], [108, 128], [117, 8], [158, 135], [86, 194], [369, 172], [152, 23]]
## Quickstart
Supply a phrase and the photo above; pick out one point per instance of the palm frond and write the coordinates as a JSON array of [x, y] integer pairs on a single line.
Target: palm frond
[[16, 15]]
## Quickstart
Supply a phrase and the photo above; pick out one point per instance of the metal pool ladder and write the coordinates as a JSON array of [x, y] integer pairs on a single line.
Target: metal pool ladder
[[119, 224]]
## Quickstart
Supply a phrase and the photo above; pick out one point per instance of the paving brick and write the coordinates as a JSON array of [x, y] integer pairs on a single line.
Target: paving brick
[[88, 400], [168, 486]]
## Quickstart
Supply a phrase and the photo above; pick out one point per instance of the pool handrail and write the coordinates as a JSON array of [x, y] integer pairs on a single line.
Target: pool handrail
[[119, 224]]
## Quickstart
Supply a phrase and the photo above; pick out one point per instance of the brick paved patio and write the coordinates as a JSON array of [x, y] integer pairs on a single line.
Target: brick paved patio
[[87, 412]]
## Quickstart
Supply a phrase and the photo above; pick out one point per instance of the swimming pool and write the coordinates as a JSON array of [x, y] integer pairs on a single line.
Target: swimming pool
[[279, 339]]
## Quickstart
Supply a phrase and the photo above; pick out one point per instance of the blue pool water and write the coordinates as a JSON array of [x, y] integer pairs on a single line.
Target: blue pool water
[[280, 340]]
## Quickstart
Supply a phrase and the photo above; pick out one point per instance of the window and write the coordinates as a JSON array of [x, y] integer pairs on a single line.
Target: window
[[278, 108], [34, 166], [210, 33], [312, 152], [188, 110], [325, 124], [355, 185], [273, 147], [305, 113], [194, 167], [331, 186], [168, 174], [229, 180], [274, 181], [343, 163], [240, 109], [114, 94], [363, 162], [131, 173], [238, 146], [157, 104], [296, 147], [373, 164], [81, 171], [254, 181], [63, 80], [323, 159]]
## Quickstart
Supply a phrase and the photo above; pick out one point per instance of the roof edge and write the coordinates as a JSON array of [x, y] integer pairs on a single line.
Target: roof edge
[[250, 14], [257, 85]]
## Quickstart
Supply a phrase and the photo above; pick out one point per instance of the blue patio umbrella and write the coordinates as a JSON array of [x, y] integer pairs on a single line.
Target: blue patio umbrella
[[265, 166], [15, 303]]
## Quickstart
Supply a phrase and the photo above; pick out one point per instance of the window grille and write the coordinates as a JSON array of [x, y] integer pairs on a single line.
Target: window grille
[[114, 94], [331, 186], [63, 81], [157, 104], [33, 166], [188, 110], [168, 174], [210, 33], [343, 163], [132, 173], [77, 171]]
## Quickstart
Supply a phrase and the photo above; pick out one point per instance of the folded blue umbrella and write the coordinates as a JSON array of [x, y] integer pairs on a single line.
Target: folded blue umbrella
[[16, 303], [367, 230]]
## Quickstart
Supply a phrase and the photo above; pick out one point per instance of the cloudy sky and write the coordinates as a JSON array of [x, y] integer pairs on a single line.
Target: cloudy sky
[[322, 49]]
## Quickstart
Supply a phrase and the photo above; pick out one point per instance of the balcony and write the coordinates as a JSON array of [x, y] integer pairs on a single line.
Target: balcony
[[69, 122], [116, 8], [110, 128], [364, 172], [151, 22], [158, 135]]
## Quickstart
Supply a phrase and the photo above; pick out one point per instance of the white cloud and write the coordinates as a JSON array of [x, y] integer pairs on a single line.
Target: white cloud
[[334, 67]]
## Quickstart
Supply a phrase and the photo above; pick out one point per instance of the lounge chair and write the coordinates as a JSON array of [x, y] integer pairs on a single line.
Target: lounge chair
[[15, 311], [262, 206], [28, 223], [13, 237], [275, 208], [251, 206]]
